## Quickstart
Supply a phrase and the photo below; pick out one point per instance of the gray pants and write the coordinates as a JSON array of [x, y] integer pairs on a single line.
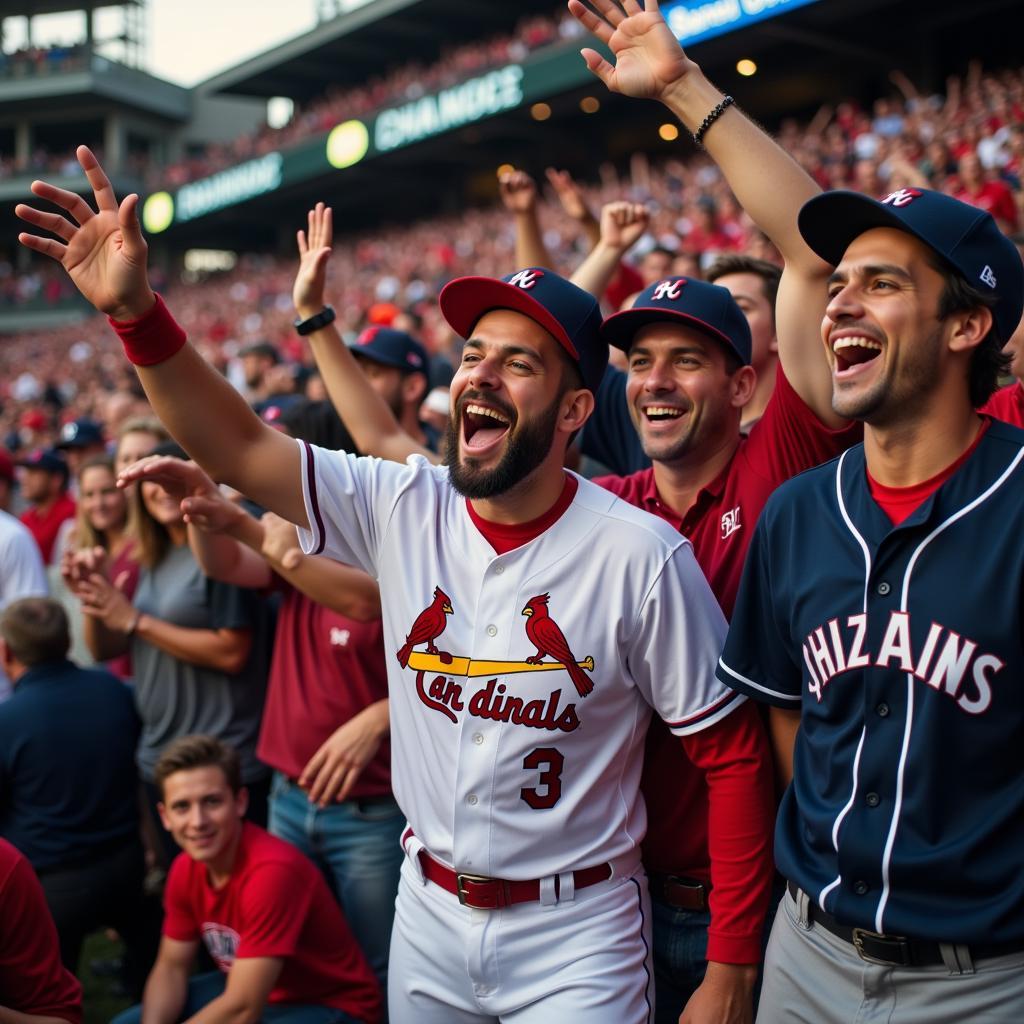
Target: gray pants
[[813, 977]]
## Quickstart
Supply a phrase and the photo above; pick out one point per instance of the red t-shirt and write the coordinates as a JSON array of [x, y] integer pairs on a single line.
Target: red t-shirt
[[1007, 404], [995, 197], [787, 439], [275, 904], [325, 670], [32, 979], [504, 537], [46, 526]]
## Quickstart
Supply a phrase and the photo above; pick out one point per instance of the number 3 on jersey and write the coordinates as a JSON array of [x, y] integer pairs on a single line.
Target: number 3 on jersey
[[549, 787]]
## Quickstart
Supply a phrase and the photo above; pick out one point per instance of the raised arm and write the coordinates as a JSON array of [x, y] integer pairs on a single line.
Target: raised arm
[[570, 195], [367, 416], [518, 193], [105, 255], [622, 224], [770, 185]]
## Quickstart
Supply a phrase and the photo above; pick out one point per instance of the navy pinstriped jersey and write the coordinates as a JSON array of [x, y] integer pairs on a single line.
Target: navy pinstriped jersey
[[902, 647]]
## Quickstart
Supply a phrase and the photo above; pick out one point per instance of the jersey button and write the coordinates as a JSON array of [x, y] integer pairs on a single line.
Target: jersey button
[[499, 569], [492, 630], [872, 800], [471, 800], [883, 588], [478, 738], [882, 710], [860, 888]]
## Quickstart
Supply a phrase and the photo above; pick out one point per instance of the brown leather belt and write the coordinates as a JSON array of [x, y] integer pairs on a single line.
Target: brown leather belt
[[679, 892], [482, 893]]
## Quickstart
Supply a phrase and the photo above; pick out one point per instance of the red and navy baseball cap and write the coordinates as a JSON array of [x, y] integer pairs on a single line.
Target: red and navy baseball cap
[[80, 433], [47, 459], [568, 313], [390, 347], [708, 308], [965, 237]]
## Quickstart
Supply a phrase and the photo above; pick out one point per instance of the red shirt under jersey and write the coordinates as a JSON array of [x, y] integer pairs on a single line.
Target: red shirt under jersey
[[326, 669], [275, 904], [32, 979], [787, 439], [1007, 404]]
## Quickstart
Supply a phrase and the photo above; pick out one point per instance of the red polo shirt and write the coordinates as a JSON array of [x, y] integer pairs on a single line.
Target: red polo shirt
[[787, 439], [1007, 404], [46, 526]]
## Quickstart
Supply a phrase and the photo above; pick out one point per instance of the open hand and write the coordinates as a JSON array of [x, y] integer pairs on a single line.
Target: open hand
[[569, 194], [104, 253], [106, 601], [314, 252], [335, 768], [648, 57]]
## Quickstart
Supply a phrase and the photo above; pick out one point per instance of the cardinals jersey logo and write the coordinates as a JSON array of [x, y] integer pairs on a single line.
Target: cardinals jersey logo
[[526, 279], [429, 625], [672, 289], [546, 636]]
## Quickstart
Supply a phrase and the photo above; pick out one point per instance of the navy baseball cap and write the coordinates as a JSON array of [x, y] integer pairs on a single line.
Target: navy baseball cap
[[568, 313], [47, 459], [81, 433], [965, 237], [708, 308], [389, 347]]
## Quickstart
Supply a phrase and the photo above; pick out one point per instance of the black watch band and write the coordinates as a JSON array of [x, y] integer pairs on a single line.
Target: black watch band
[[314, 323]]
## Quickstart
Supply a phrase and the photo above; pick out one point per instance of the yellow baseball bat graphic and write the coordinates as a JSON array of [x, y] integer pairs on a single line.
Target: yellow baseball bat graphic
[[456, 666]]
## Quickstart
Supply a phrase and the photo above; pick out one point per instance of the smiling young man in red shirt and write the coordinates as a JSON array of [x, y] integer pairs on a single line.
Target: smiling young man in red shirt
[[263, 911]]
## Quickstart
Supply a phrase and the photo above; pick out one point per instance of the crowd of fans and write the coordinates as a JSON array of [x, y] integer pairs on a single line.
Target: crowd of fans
[[190, 630]]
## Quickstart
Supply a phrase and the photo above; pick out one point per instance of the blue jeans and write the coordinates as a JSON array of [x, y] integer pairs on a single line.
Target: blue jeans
[[680, 953], [357, 845], [204, 988]]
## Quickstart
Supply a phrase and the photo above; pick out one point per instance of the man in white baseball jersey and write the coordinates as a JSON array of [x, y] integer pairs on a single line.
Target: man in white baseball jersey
[[532, 620]]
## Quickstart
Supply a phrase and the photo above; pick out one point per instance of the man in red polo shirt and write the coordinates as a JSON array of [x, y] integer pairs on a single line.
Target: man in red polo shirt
[[1007, 404], [263, 911]]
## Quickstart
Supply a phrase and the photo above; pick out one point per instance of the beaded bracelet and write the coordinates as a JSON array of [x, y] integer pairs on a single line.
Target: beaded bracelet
[[716, 113]]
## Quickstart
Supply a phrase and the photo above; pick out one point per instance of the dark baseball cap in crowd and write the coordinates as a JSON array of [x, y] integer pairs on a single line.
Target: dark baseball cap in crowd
[[6, 465], [81, 433], [47, 459], [568, 313], [260, 348], [393, 348], [965, 237], [708, 308]]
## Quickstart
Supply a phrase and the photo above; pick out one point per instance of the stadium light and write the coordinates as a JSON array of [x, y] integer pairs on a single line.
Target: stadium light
[[746, 67], [347, 144], [158, 212], [590, 104], [669, 132], [505, 169], [540, 111]]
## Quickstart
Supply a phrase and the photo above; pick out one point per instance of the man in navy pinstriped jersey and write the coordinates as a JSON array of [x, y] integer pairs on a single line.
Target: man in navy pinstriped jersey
[[880, 611]]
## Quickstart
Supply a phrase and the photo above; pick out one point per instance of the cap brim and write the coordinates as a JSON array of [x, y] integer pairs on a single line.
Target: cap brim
[[365, 352], [832, 220], [466, 299], [620, 328]]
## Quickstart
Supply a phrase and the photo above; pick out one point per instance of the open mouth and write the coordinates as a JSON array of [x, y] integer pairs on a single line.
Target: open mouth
[[854, 351], [483, 426], [663, 413]]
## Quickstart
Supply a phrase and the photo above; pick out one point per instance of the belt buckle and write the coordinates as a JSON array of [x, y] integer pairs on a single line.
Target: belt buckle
[[899, 941], [692, 886], [461, 878]]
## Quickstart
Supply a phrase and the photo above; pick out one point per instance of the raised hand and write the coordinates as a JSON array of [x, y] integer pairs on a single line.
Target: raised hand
[[76, 567], [622, 224], [106, 601], [518, 191], [648, 57], [314, 252], [104, 253], [569, 194]]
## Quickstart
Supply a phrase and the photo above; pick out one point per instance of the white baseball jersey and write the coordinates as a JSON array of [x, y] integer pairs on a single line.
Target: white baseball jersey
[[501, 764]]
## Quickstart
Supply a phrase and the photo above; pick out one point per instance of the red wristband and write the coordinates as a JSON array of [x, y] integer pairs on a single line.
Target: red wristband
[[151, 339]]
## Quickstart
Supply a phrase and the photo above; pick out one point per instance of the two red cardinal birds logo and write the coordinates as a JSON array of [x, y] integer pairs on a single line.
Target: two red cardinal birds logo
[[542, 630]]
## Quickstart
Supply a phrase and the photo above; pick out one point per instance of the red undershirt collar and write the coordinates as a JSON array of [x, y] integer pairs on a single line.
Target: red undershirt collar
[[505, 537]]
